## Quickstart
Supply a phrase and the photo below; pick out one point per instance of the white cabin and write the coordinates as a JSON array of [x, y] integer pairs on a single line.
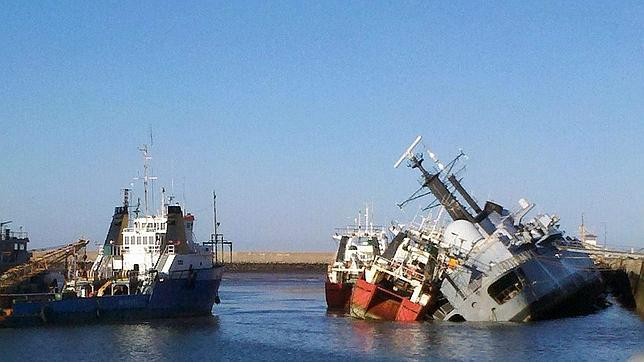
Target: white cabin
[[142, 243]]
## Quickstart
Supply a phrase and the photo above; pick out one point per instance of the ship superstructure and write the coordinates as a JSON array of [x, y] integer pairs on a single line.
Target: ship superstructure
[[397, 285], [13, 247], [358, 245]]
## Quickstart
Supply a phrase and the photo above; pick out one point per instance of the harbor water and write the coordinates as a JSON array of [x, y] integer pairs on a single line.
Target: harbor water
[[283, 317]]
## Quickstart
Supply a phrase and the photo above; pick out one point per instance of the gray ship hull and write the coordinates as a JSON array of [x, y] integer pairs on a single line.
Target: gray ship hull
[[536, 284]]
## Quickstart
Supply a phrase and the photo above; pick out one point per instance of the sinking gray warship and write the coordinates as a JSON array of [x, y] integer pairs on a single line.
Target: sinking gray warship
[[501, 268]]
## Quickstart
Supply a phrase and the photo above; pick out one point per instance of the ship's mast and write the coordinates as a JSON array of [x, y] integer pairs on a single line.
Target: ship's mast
[[582, 229], [146, 177], [215, 224], [434, 183], [366, 218]]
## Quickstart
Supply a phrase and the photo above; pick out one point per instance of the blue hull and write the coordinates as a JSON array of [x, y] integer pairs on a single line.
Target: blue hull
[[170, 299]]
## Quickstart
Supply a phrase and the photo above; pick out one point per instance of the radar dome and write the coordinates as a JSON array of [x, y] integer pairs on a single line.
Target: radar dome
[[462, 234]]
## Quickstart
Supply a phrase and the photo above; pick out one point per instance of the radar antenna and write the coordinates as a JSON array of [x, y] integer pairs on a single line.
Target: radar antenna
[[407, 153], [146, 177]]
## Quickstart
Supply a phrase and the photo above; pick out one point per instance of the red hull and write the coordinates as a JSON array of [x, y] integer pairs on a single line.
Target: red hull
[[337, 295], [368, 301]]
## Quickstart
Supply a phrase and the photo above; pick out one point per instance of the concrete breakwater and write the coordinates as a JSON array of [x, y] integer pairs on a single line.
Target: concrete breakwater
[[263, 261], [252, 256], [271, 262], [267, 257], [625, 274], [276, 268]]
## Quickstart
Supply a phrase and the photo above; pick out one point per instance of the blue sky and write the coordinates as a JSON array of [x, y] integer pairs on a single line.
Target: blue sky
[[296, 111]]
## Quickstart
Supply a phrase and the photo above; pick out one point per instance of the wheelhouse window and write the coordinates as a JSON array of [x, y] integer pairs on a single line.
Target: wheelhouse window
[[508, 286]]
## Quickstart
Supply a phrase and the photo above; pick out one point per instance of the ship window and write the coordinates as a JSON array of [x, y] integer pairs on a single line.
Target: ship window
[[507, 287], [138, 240], [16, 246], [180, 262]]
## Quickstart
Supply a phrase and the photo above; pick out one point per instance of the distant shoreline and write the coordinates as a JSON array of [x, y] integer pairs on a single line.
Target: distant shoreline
[[264, 261], [276, 268], [252, 257]]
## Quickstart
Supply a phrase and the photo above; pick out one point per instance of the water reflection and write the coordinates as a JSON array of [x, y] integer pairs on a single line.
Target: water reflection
[[273, 317]]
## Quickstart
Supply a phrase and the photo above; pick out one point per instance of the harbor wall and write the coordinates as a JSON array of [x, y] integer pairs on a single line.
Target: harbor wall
[[272, 262], [265, 261], [257, 257], [634, 270]]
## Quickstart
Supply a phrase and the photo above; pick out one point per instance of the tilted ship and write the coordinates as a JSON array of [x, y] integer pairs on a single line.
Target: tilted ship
[[397, 285], [487, 264], [358, 245], [150, 266]]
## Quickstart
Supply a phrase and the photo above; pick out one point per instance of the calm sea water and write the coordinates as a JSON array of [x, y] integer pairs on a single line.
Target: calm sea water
[[283, 317]]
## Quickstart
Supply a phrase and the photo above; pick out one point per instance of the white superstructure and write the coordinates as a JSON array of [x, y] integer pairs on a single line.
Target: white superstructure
[[358, 246], [142, 243]]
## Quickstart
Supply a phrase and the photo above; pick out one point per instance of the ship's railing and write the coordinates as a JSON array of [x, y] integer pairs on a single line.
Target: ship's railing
[[181, 274], [14, 235], [514, 261], [219, 246], [30, 297], [147, 229], [343, 269], [362, 230], [398, 270]]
